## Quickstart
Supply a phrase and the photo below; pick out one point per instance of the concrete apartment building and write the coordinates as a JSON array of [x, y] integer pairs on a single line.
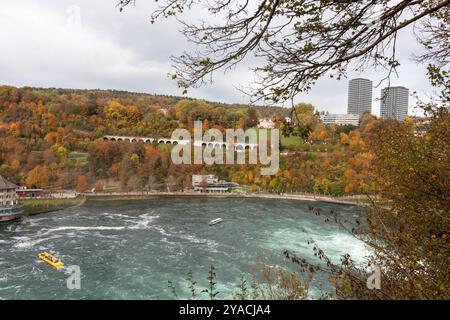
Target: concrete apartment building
[[359, 96], [394, 103]]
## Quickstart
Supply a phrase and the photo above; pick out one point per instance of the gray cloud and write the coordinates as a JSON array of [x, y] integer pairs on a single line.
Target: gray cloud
[[46, 43]]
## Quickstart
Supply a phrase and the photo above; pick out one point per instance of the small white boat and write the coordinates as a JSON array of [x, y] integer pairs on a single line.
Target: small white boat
[[215, 221]]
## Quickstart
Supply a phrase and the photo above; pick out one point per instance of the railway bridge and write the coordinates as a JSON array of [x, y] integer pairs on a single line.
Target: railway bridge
[[213, 144]]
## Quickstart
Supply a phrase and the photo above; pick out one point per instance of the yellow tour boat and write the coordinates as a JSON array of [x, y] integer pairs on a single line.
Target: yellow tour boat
[[51, 260]]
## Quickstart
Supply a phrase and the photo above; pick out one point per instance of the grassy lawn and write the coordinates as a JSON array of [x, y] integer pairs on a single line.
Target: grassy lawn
[[291, 141], [359, 200], [53, 202], [111, 189], [245, 188], [286, 142], [78, 157], [36, 206]]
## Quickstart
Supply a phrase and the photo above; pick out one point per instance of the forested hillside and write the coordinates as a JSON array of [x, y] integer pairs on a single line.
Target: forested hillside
[[52, 138]]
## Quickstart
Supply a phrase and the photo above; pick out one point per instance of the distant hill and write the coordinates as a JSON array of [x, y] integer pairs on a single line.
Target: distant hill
[[161, 100]]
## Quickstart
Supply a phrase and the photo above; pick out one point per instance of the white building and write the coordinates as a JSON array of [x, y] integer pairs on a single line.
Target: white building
[[8, 196], [9, 205], [197, 179], [211, 184], [359, 96], [340, 119], [266, 123], [394, 103]]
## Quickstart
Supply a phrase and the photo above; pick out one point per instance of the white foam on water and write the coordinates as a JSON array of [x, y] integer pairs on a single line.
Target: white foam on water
[[162, 231], [144, 221], [79, 228], [341, 244], [333, 243], [286, 239], [26, 242], [23, 238], [165, 240], [10, 287], [14, 228], [190, 238], [32, 221], [194, 239], [116, 215]]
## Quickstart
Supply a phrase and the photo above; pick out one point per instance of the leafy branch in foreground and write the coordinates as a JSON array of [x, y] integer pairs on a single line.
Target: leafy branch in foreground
[[243, 293], [300, 41], [192, 285], [276, 283], [211, 290], [172, 289], [406, 226], [273, 283]]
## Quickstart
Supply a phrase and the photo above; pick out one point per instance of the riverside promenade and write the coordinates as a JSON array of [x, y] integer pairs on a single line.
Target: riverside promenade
[[153, 194]]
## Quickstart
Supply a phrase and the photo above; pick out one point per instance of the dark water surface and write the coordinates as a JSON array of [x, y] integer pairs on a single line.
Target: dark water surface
[[131, 249]]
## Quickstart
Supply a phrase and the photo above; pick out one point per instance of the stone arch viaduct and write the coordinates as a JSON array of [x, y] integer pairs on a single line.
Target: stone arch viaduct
[[239, 147]]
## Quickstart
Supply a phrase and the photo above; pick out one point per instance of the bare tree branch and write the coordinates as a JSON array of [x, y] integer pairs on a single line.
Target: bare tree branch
[[302, 40]]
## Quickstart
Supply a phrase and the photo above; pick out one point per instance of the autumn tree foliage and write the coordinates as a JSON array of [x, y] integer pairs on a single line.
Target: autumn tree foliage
[[413, 213], [38, 177], [407, 225], [63, 131], [82, 184], [252, 118]]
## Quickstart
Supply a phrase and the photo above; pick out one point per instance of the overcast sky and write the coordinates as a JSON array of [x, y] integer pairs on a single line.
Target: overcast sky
[[89, 44]]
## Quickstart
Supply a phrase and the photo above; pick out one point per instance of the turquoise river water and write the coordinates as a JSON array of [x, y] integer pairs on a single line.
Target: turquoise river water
[[131, 249]]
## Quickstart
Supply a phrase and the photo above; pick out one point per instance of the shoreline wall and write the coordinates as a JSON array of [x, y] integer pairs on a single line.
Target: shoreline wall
[[151, 195]]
